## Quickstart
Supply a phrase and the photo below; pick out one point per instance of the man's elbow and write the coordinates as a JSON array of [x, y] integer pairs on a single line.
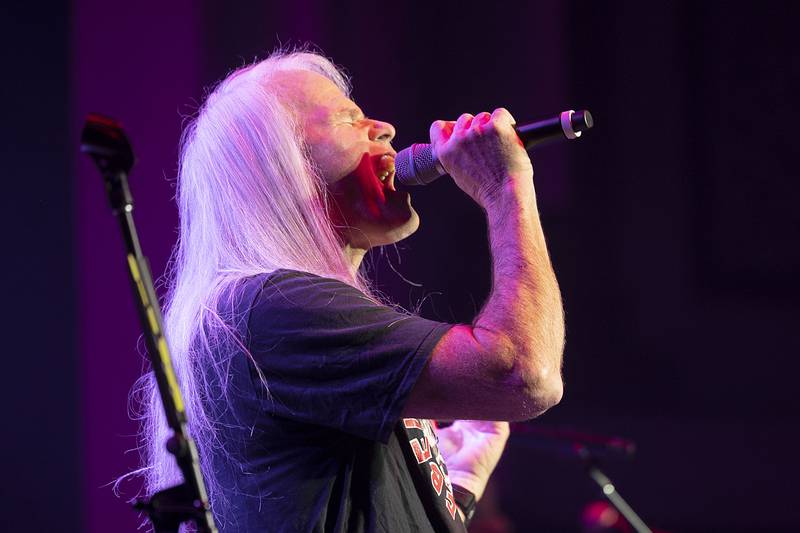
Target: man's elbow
[[528, 377], [542, 389], [551, 390]]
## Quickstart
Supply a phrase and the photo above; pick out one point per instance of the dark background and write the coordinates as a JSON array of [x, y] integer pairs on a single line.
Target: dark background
[[672, 226]]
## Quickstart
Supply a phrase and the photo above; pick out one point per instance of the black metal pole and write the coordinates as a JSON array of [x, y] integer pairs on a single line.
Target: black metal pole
[[610, 492], [105, 141]]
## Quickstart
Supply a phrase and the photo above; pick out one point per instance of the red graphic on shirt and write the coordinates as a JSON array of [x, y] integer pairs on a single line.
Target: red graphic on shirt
[[412, 423], [450, 504], [422, 450], [437, 478], [426, 452]]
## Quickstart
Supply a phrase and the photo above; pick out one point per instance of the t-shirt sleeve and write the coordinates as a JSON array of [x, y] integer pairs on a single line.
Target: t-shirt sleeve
[[333, 357]]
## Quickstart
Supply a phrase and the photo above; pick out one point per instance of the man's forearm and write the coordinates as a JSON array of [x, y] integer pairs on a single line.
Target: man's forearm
[[525, 303]]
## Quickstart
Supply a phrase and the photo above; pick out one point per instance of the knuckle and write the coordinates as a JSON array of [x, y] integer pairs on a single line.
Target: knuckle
[[481, 119], [464, 118], [502, 113], [438, 126]]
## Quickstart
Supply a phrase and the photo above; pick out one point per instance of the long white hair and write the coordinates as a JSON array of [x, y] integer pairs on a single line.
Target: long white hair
[[250, 201]]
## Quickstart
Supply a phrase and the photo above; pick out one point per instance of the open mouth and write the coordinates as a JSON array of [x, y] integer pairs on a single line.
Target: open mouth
[[384, 169]]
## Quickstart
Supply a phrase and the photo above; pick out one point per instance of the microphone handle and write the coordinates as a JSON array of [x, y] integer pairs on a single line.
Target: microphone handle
[[417, 165]]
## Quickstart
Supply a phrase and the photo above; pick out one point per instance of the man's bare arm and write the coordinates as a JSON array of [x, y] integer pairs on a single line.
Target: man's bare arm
[[506, 365]]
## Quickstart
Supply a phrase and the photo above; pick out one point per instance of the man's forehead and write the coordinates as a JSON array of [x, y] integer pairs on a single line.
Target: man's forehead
[[313, 93]]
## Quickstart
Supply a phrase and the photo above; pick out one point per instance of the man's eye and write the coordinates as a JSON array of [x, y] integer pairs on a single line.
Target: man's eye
[[351, 121]]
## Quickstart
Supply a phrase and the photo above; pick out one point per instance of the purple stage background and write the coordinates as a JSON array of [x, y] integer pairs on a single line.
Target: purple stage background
[[673, 227]]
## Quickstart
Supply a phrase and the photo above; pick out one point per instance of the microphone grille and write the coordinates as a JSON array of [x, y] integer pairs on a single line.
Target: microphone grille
[[416, 165]]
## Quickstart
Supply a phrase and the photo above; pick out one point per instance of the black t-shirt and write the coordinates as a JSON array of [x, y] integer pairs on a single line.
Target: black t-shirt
[[323, 447]]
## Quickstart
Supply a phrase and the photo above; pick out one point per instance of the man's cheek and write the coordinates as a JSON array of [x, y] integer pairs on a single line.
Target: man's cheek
[[361, 190], [358, 195], [333, 164]]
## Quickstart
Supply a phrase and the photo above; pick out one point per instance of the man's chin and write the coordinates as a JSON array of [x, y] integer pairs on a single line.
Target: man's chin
[[388, 233], [405, 230]]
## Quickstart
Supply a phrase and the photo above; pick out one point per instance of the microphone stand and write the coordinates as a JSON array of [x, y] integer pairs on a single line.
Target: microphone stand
[[105, 141], [609, 490], [588, 448]]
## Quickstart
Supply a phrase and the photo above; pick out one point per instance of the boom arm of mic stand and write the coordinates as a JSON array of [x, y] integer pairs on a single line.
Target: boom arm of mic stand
[[105, 141], [610, 492]]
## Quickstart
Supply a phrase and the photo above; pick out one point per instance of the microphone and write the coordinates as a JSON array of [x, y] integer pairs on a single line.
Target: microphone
[[417, 164]]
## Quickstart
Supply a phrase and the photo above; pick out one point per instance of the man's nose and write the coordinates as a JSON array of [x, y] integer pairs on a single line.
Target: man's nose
[[381, 131]]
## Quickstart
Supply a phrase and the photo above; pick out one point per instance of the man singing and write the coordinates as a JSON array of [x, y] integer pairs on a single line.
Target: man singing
[[310, 398]]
